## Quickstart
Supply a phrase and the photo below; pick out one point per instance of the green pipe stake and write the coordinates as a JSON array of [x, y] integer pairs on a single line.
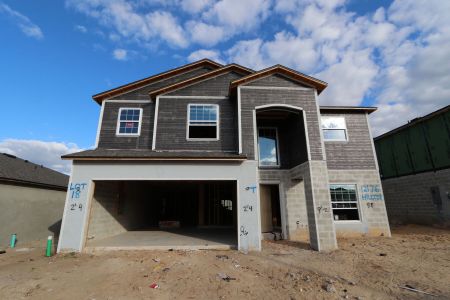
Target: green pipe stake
[[48, 252], [12, 243]]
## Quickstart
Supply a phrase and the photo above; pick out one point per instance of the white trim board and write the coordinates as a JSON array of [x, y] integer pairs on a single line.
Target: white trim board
[[99, 126], [324, 155], [278, 105], [239, 120], [155, 123], [194, 97], [126, 101], [256, 87]]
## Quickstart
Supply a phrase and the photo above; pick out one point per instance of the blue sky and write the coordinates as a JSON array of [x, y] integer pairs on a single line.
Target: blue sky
[[59, 53]]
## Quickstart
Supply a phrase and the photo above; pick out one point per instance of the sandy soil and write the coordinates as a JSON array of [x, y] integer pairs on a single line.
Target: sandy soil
[[364, 268]]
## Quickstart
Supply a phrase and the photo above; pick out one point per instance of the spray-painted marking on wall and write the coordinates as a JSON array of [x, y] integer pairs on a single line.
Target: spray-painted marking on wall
[[371, 192], [243, 231], [253, 188], [323, 209], [76, 189], [248, 208]]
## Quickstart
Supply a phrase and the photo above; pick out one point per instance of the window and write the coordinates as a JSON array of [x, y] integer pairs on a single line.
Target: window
[[344, 202], [334, 129], [129, 121], [268, 147], [203, 121]]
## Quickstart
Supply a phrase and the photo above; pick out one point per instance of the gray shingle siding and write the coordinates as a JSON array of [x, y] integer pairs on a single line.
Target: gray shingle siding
[[216, 86], [250, 98], [172, 123], [108, 138], [357, 152], [142, 93], [275, 80]]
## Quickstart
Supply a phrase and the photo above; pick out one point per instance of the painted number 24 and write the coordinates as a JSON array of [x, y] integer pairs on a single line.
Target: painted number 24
[[75, 206]]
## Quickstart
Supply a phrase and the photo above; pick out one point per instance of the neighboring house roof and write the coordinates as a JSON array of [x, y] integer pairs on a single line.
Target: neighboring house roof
[[126, 154], [228, 68], [282, 70], [18, 171], [415, 121], [142, 82], [367, 109]]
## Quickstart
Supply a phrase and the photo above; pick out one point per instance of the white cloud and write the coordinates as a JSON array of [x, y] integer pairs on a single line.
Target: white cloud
[[349, 79], [120, 54], [136, 25], [40, 152], [203, 53], [195, 6], [248, 53], [166, 26], [80, 28], [28, 28], [205, 34], [238, 15]]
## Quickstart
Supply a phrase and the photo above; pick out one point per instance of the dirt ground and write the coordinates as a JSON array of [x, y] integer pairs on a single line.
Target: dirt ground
[[363, 268]]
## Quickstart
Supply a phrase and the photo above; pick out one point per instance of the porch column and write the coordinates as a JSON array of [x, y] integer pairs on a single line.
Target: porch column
[[322, 233]]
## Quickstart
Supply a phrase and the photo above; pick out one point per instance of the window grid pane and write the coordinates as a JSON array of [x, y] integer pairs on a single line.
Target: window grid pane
[[344, 202], [202, 114], [129, 121]]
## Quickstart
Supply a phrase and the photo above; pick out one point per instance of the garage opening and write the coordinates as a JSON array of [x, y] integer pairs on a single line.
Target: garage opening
[[163, 215]]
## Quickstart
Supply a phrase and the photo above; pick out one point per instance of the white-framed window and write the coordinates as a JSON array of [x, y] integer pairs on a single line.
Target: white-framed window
[[344, 202], [129, 121], [203, 122], [334, 129], [268, 147]]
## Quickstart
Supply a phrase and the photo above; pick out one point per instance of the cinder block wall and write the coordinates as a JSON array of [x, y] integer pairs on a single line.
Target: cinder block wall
[[409, 198], [32, 213], [104, 218], [374, 220]]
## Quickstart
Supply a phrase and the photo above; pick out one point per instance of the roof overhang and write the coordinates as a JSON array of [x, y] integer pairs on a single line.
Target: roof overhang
[[304, 79], [142, 82], [228, 68], [366, 109]]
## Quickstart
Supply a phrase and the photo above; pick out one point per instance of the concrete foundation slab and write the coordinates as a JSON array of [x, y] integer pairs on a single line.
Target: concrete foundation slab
[[177, 239]]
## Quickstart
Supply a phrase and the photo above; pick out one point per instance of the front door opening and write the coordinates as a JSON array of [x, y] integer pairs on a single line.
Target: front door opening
[[270, 211]]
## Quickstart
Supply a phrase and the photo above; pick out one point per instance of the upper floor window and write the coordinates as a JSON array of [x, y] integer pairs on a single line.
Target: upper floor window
[[203, 121], [268, 147], [334, 129], [129, 121], [344, 202]]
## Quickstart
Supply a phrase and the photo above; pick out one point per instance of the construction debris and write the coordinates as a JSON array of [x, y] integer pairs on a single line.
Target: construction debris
[[225, 277], [413, 289]]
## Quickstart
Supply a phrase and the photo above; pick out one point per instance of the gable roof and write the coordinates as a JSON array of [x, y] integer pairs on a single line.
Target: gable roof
[[142, 82], [285, 71], [19, 171], [228, 68]]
